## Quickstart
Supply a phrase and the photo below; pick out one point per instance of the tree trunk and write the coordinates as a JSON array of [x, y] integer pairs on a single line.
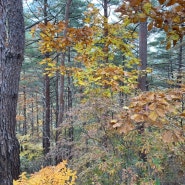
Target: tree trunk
[[180, 65], [24, 111], [46, 122], [32, 115], [142, 80], [61, 77], [61, 81], [11, 58], [37, 112], [106, 31]]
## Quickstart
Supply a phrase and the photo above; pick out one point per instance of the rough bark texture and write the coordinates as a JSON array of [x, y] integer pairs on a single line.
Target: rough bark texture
[[142, 81], [11, 57]]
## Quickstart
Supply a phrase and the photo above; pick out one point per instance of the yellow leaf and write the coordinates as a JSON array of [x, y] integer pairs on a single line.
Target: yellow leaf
[[80, 82], [153, 115], [176, 19], [98, 78], [142, 17], [115, 77], [147, 7]]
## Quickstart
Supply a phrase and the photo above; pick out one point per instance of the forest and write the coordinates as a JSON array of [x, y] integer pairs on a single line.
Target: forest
[[92, 92]]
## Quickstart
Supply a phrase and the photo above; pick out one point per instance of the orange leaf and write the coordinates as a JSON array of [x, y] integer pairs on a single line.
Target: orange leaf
[[150, 26], [126, 128], [113, 121], [167, 137], [160, 112], [137, 117], [152, 106], [168, 46], [182, 114], [161, 1]]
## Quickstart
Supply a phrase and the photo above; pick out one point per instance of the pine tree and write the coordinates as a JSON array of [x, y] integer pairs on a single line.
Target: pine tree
[[12, 50]]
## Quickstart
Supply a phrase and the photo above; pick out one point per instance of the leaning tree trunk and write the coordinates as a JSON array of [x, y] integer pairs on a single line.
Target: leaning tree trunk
[[11, 57]]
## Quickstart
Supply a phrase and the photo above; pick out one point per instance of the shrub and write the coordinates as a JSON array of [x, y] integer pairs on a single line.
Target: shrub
[[50, 175]]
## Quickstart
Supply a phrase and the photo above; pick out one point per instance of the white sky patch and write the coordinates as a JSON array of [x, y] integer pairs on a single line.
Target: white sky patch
[[25, 2], [111, 9]]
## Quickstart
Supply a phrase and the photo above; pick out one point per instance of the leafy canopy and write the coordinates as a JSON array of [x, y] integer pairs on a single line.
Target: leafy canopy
[[165, 14]]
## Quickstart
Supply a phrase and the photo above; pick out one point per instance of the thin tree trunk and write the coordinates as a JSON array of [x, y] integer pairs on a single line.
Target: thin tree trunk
[[61, 104], [57, 103], [69, 106], [46, 123], [11, 58], [106, 31], [32, 115], [61, 77], [24, 111], [37, 113], [179, 76], [142, 80]]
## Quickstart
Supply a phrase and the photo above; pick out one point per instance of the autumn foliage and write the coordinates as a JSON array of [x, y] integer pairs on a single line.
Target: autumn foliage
[[50, 175], [111, 132], [166, 15]]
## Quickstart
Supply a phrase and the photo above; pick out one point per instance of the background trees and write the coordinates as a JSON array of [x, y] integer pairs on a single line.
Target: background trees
[[110, 131]]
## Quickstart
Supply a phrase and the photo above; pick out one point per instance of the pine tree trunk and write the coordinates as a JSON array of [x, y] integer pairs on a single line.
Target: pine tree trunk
[[61, 77], [11, 57], [61, 81], [106, 31], [24, 111], [32, 115], [180, 65], [37, 113], [46, 123], [142, 80]]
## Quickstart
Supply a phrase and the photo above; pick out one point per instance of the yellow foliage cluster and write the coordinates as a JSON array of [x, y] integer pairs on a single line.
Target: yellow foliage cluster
[[96, 51], [51, 175]]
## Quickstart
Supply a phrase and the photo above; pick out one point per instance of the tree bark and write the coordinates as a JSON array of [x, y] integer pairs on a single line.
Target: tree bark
[[61, 77], [46, 123], [180, 65], [106, 31], [24, 111], [11, 58], [142, 80]]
